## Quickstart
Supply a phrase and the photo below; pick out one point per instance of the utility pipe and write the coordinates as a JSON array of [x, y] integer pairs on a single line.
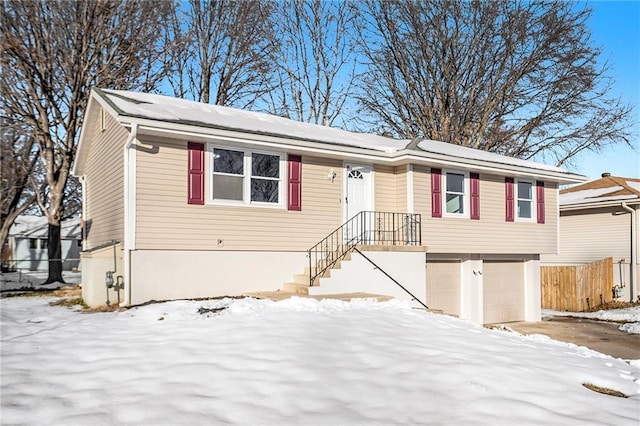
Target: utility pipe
[[634, 252], [83, 224], [128, 201]]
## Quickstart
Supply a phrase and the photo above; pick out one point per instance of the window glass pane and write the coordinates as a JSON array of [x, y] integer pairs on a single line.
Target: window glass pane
[[265, 191], [227, 161], [265, 165], [356, 174], [455, 203], [227, 187], [524, 209], [524, 190], [455, 182], [33, 243]]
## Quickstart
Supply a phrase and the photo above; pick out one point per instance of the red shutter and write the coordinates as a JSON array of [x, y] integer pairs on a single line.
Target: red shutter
[[475, 195], [295, 183], [436, 193], [508, 196], [540, 200], [195, 173]]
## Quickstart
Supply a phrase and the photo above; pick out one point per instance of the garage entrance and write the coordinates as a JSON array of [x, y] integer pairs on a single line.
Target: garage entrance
[[503, 291], [443, 286]]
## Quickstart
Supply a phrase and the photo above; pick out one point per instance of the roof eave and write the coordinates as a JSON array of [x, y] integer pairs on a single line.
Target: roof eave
[[598, 204], [495, 167], [315, 146]]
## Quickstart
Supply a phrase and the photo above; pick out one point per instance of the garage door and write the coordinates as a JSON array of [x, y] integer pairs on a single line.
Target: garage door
[[503, 291], [443, 286]]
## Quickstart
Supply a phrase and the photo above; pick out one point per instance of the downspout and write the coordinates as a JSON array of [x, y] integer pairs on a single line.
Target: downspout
[[83, 227], [129, 209], [634, 252]]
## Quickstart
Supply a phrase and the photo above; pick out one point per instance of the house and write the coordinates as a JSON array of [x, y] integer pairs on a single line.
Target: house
[[599, 219], [26, 245], [187, 200]]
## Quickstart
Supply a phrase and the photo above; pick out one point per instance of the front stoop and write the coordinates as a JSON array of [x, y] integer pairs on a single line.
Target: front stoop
[[299, 286], [347, 297]]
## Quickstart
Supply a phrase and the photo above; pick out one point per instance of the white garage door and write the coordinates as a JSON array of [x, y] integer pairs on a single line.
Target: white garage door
[[443, 286], [503, 291]]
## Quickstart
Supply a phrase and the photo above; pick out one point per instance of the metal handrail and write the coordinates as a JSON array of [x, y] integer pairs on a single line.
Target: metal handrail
[[391, 278], [367, 228]]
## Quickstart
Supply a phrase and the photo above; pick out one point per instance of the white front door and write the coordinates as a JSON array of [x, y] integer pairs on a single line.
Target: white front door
[[358, 190]]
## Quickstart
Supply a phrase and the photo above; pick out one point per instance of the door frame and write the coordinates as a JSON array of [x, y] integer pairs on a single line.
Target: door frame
[[346, 167]]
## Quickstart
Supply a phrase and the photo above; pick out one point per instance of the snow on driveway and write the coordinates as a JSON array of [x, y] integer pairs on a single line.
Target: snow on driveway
[[297, 361], [629, 316]]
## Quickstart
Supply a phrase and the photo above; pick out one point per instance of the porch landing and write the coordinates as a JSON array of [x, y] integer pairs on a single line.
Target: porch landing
[[347, 297]]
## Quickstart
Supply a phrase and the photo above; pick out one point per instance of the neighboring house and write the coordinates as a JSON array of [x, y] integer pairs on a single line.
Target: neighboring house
[[600, 219], [202, 200], [26, 246]]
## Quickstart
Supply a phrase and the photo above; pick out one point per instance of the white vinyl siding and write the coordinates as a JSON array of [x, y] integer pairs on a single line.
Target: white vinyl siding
[[593, 234], [490, 234], [166, 221], [385, 188], [390, 186], [104, 173]]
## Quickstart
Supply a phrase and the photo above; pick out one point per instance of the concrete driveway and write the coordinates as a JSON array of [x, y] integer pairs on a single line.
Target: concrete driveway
[[600, 336]]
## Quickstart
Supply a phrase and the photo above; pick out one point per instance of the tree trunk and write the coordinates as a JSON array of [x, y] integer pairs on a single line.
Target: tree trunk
[[54, 250], [4, 231]]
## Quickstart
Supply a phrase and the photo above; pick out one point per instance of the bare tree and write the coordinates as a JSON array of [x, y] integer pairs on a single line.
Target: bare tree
[[222, 51], [314, 68], [19, 156], [519, 78], [53, 52]]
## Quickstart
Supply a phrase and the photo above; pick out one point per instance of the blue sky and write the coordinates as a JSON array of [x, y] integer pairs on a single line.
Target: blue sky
[[615, 27]]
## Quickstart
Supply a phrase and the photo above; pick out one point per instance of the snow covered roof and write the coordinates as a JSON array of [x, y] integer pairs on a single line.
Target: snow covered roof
[[601, 191], [165, 108], [26, 226], [157, 113], [477, 154]]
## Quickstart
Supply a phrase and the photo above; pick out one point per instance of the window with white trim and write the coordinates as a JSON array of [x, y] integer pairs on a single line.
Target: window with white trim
[[455, 194], [524, 199], [247, 177]]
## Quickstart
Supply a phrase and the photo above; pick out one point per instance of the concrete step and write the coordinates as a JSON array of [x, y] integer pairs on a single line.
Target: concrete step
[[300, 284], [279, 295], [272, 295], [337, 265], [296, 288], [301, 279]]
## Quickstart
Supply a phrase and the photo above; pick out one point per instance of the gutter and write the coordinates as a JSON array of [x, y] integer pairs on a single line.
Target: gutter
[[634, 251], [598, 204], [129, 209], [83, 225]]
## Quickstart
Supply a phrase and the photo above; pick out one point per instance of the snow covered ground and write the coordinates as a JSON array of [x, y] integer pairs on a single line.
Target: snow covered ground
[[630, 317], [34, 280], [297, 361]]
